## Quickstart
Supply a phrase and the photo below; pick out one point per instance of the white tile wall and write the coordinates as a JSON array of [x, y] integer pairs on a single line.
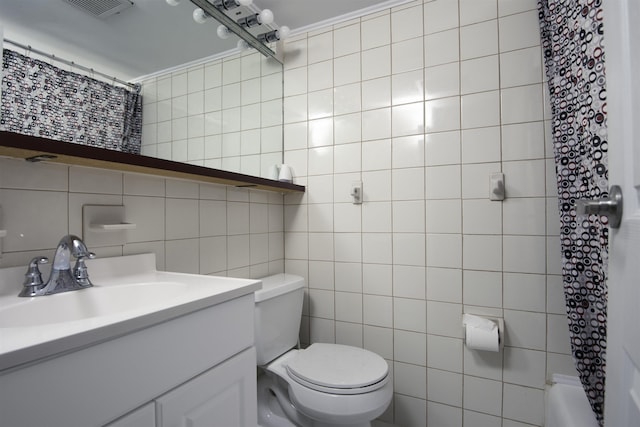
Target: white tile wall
[[191, 227], [428, 100]]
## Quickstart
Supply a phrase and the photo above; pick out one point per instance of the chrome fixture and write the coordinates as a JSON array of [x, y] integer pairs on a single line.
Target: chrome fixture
[[249, 17], [275, 35], [264, 17], [62, 277], [33, 278], [610, 207]]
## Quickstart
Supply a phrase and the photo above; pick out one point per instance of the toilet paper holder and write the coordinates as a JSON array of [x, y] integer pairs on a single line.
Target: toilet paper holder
[[499, 321]]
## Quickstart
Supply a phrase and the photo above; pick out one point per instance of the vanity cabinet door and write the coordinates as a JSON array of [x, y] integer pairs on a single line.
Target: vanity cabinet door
[[222, 396], [141, 417]]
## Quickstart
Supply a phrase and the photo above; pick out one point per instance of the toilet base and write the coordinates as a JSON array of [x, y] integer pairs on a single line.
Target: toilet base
[[271, 413]]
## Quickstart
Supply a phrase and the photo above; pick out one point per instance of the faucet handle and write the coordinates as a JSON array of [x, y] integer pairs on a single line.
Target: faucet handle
[[80, 271], [33, 277]]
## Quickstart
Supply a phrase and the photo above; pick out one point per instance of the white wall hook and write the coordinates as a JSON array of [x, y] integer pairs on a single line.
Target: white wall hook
[[496, 186], [356, 192]]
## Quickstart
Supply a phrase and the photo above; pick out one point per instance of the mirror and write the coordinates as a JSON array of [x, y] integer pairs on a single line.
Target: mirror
[[222, 112]]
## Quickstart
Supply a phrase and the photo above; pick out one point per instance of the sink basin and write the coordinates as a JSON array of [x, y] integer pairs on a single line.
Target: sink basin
[[128, 294], [87, 303]]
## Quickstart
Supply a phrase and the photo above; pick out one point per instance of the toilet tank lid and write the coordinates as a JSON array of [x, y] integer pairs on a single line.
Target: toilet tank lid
[[278, 284]]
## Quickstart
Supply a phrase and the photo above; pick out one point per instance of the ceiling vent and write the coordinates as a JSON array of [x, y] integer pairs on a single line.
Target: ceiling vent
[[101, 8]]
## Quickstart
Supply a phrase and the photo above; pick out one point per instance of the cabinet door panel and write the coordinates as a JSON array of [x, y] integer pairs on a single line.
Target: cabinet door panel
[[223, 396], [141, 417]]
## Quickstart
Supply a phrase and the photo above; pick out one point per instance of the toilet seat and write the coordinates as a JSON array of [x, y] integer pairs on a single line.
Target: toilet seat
[[338, 369]]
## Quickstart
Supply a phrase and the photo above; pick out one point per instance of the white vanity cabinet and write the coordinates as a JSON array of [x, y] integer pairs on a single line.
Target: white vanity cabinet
[[141, 417], [197, 369], [223, 396]]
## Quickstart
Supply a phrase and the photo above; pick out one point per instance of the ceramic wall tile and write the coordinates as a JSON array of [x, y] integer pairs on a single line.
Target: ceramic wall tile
[[523, 404], [479, 40], [441, 48], [444, 387], [376, 62], [182, 255], [440, 414], [483, 395], [444, 284], [473, 11], [519, 31], [376, 32], [410, 380], [406, 24]]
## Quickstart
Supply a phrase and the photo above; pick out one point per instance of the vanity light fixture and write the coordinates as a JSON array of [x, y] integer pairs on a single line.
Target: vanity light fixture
[[223, 32], [225, 4], [264, 17], [230, 4], [199, 15], [251, 17], [275, 35]]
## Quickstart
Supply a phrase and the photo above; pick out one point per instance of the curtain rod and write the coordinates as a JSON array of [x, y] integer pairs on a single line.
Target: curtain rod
[[71, 63]]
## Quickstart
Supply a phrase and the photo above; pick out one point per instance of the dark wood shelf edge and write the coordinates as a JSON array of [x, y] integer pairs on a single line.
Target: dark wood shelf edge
[[26, 146]]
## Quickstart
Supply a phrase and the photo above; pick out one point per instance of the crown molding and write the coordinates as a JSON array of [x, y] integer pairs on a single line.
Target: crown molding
[[348, 16]]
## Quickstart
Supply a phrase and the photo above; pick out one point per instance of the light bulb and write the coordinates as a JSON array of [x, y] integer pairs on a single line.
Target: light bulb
[[173, 2], [244, 2], [223, 32], [199, 16], [243, 45], [266, 17], [283, 32]]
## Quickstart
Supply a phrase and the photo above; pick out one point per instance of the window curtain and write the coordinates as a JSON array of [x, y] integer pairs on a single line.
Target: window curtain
[[572, 43], [42, 100]]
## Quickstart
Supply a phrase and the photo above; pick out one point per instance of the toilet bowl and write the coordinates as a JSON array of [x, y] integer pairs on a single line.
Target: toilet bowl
[[322, 385]]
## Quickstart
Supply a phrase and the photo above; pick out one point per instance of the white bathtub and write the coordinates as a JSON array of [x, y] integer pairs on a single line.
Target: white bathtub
[[567, 405]]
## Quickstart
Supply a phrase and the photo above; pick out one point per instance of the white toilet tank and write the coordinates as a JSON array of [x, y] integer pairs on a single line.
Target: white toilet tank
[[277, 315]]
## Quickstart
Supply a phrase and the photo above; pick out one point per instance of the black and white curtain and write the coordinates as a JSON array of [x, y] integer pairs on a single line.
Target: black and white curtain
[[42, 100], [572, 43]]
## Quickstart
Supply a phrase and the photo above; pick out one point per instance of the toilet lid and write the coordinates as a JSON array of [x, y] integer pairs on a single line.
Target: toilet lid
[[338, 366]]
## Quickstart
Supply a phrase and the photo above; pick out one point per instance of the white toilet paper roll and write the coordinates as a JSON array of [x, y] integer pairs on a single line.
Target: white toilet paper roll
[[481, 333]]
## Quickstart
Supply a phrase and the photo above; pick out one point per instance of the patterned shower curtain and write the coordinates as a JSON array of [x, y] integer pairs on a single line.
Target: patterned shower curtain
[[42, 100], [572, 42]]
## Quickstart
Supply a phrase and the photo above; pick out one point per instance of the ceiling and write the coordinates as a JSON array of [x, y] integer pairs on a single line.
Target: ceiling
[[152, 36]]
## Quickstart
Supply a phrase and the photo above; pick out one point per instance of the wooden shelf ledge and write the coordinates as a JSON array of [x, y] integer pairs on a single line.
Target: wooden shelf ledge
[[43, 149]]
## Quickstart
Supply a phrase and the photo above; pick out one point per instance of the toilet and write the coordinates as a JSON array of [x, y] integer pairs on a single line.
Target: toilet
[[322, 385]]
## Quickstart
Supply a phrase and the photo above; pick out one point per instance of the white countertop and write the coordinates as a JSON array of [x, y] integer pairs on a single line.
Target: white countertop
[[24, 339]]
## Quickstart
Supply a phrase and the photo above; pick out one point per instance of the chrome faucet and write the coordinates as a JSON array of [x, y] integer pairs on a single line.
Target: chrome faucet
[[62, 278]]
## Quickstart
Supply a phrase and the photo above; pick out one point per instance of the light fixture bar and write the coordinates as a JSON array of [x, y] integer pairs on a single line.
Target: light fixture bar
[[226, 4], [268, 37], [249, 21], [234, 27]]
